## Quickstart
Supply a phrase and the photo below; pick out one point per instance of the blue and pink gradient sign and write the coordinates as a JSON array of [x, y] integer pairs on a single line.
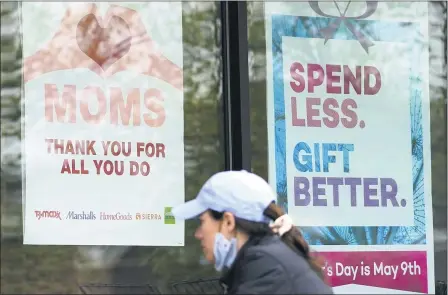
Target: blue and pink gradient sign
[[349, 142]]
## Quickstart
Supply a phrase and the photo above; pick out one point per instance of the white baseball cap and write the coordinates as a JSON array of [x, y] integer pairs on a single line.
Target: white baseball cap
[[244, 194]]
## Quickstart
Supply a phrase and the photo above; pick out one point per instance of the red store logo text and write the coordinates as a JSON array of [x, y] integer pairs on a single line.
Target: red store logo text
[[47, 214]]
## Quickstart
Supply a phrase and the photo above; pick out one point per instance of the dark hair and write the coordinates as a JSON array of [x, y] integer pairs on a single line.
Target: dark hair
[[293, 238]]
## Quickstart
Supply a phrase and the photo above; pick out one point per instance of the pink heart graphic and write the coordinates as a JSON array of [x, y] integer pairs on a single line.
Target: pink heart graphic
[[104, 45]]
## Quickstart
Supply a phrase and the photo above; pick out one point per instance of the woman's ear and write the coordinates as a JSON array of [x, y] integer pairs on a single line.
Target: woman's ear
[[228, 223]]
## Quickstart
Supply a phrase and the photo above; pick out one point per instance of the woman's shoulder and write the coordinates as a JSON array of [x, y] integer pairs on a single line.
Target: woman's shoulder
[[273, 256], [276, 253]]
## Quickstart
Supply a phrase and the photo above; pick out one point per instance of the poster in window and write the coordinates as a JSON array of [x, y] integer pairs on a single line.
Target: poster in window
[[349, 141], [103, 151]]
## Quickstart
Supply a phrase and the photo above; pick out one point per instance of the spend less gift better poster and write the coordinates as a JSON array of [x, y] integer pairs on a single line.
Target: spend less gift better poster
[[349, 142], [103, 123]]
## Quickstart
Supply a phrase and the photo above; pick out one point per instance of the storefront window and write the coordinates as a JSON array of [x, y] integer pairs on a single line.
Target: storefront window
[[51, 269], [259, 73], [62, 269]]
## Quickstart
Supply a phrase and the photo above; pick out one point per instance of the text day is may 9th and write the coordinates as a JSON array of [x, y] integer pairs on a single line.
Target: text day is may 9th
[[410, 268], [109, 149]]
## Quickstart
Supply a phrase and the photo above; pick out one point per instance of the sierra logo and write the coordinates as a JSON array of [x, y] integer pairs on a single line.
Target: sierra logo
[[81, 215], [148, 216], [47, 214], [169, 217]]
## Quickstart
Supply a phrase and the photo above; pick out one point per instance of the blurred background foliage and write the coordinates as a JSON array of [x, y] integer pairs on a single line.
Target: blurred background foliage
[[60, 269]]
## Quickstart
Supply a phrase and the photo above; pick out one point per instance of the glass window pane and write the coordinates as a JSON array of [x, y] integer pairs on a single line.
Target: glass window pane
[[438, 111], [61, 269]]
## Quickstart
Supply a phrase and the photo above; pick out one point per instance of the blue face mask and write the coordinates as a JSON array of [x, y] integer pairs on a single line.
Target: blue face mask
[[225, 251]]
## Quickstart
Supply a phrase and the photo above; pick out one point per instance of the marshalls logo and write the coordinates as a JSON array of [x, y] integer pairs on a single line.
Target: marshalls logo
[[81, 215], [169, 217]]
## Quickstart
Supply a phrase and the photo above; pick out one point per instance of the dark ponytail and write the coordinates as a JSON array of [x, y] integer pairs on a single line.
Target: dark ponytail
[[293, 238]]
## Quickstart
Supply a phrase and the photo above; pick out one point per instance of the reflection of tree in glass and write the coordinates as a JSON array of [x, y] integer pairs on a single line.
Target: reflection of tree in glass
[[416, 129]]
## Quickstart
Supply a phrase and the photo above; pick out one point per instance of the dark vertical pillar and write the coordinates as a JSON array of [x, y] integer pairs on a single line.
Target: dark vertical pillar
[[236, 85]]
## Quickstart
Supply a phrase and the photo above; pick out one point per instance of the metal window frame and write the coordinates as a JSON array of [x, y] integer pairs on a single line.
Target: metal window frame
[[235, 84]]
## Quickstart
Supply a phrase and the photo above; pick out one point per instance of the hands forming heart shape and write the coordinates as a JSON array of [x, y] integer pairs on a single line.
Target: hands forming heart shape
[[103, 45], [118, 42]]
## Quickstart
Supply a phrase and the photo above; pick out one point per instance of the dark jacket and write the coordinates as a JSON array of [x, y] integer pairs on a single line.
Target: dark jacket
[[268, 266]]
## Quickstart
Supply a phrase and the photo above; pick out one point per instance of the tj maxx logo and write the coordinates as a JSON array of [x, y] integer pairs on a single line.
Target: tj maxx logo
[[47, 214]]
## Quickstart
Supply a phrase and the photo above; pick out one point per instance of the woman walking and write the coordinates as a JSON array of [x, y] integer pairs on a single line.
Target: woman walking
[[250, 238]]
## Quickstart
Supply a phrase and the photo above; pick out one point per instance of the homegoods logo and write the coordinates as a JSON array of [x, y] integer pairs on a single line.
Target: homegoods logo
[[81, 215]]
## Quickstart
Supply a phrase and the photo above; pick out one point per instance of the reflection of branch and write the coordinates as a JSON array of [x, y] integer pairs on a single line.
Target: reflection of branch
[[309, 25], [294, 29], [278, 49], [296, 26], [217, 31], [123, 46], [444, 33]]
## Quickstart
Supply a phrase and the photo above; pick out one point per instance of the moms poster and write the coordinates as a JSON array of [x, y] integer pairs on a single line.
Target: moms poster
[[103, 127], [349, 142]]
